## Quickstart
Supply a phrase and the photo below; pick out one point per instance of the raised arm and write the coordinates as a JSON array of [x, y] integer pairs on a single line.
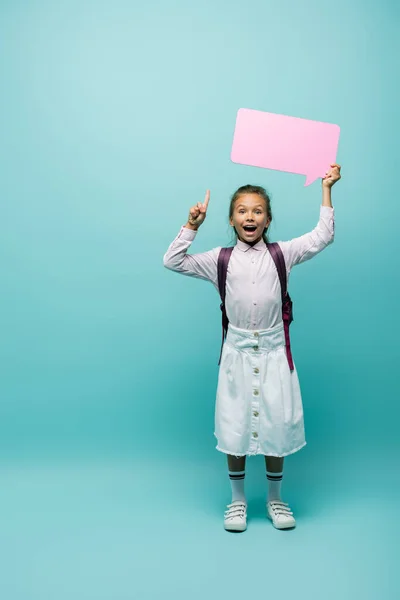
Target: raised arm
[[202, 265], [309, 245]]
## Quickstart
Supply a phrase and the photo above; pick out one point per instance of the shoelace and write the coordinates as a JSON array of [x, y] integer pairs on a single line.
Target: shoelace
[[281, 508], [235, 510]]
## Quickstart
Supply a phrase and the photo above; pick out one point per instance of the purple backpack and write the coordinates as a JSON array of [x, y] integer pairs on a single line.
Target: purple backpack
[[287, 307]]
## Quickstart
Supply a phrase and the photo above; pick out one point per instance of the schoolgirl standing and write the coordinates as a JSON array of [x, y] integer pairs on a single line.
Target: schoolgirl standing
[[258, 405]]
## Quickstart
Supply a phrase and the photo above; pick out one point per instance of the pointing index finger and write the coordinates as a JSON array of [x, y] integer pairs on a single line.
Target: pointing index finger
[[206, 199]]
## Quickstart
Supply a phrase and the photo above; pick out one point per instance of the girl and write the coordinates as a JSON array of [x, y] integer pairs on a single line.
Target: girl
[[258, 405]]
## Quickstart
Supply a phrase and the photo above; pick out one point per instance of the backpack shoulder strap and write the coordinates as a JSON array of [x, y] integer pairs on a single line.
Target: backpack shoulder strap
[[223, 261], [279, 260], [287, 309], [222, 265]]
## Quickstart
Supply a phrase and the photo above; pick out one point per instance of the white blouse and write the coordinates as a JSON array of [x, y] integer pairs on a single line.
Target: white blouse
[[253, 293]]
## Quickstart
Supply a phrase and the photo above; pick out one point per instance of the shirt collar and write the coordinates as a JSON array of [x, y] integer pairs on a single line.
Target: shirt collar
[[243, 247]]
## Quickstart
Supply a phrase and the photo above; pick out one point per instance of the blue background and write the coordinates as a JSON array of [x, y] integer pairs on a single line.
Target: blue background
[[115, 119]]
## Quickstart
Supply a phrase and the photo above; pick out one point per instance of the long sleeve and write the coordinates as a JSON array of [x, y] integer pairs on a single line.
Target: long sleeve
[[202, 265], [307, 246]]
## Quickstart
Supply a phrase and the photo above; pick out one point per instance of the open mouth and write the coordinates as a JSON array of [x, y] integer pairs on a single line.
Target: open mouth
[[250, 228]]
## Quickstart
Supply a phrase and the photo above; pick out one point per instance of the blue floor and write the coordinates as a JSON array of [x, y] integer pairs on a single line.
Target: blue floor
[[122, 530]]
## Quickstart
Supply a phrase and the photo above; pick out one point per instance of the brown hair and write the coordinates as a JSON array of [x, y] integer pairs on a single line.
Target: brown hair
[[252, 189]]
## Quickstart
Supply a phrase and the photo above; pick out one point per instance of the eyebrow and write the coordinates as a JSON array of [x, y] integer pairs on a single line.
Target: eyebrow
[[243, 206]]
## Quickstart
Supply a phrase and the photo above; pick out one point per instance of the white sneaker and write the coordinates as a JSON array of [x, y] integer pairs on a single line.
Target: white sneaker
[[235, 518], [280, 514]]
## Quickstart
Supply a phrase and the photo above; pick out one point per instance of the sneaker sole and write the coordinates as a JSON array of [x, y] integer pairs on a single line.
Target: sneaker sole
[[236, 528]]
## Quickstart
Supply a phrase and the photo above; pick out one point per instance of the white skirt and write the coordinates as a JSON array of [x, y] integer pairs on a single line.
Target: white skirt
[[258, 409]]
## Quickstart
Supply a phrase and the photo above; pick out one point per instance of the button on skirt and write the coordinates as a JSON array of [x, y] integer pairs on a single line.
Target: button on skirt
[[258, 408]]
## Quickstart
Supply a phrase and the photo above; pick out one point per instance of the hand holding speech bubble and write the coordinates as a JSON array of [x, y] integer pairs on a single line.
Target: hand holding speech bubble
[[283, 143]]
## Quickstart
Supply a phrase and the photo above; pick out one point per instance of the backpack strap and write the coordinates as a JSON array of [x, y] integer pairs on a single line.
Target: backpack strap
[[287, 306], [222, 268]]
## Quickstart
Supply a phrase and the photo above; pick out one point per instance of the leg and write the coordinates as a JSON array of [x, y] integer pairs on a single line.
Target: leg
[[235, 518], [274, 466], [236, 466], [279, 512], [236, 463]]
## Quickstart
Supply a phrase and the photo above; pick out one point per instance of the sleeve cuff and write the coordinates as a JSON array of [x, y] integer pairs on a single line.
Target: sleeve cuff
[[187, 234], [327, 210]]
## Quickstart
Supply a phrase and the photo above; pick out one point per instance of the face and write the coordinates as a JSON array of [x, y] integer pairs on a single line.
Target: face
[[250, 218]]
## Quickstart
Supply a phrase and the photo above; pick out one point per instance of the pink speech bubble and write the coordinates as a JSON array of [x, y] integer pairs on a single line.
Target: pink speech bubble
[[284, 143]]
